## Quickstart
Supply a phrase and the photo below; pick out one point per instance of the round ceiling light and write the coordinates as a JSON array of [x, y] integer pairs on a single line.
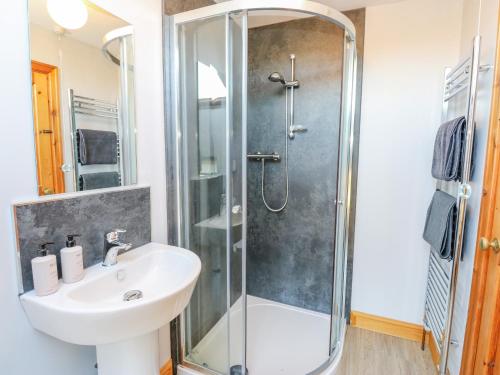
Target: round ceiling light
[[69, 14]]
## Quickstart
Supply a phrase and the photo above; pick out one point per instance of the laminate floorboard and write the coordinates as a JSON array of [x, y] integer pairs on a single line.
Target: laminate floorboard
[[370, 353]]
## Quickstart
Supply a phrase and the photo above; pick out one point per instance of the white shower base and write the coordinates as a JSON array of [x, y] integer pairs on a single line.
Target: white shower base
[[281, 339]]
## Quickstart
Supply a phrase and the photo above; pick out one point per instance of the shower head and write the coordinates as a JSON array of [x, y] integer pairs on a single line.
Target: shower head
[[277, 77]]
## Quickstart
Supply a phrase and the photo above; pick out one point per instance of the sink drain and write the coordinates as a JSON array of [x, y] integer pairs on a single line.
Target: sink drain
[[132, 295]]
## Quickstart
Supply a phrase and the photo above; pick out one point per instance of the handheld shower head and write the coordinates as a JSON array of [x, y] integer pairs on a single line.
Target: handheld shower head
[[277, 77]]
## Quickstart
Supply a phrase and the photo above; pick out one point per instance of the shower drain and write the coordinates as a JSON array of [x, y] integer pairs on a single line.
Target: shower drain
[[132, 295]]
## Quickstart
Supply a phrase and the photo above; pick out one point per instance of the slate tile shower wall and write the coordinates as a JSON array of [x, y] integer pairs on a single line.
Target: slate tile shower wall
[[290, 254], [172, 7], [90, 215]]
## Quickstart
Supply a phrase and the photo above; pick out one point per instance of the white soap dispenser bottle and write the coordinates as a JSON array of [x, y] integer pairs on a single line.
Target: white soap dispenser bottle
[[44, 269], [72, 260]]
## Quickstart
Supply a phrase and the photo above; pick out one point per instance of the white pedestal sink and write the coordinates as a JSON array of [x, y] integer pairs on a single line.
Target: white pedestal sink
[[94, 312]]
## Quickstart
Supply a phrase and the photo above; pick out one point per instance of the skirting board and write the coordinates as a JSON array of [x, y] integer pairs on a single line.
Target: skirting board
[[387, 326], [167, 368]]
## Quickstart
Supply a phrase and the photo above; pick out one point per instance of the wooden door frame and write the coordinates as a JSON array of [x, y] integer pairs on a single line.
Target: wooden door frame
[[55, 110], [488, 201]]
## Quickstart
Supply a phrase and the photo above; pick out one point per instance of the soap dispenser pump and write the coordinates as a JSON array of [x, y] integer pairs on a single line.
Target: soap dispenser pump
[[72, 260], [44, 269]]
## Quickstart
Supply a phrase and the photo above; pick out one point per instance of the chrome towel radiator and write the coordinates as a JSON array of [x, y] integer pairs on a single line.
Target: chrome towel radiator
[[460, 82], [81, 105]]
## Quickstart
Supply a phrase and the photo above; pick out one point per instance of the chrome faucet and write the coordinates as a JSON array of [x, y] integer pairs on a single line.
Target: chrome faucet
[[112, 246]]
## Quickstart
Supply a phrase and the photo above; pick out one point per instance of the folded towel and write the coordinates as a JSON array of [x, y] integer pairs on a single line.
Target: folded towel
[[97, 147], [440, 224], [449, 150], [90, 181]]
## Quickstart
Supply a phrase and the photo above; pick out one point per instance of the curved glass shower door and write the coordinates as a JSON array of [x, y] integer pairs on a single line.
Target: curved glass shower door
[[211, 75], [211, 145], [121, 41]]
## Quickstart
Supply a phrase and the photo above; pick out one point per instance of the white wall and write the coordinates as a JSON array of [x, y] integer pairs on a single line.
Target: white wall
[[84, 69], [23, 350], [407, 46]]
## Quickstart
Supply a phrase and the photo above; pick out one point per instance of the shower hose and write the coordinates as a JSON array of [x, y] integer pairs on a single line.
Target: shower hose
[[263, 176]]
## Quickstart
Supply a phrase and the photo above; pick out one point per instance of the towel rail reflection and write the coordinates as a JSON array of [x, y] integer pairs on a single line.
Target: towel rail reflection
[[86, 106]]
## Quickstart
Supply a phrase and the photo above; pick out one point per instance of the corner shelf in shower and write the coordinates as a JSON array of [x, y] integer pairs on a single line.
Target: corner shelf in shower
[[219, 222]]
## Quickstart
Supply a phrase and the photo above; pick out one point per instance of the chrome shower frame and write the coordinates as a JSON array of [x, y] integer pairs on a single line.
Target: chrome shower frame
[[124, 36], [174, 142]]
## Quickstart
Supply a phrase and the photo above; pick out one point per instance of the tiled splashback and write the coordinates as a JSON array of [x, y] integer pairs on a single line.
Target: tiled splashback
[[90, 215]]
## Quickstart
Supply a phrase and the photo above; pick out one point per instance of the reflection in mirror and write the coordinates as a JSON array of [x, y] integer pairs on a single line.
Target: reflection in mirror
[[82, 68]]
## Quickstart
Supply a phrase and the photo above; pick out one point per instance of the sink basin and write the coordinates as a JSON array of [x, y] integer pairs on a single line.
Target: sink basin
[[160, 280]]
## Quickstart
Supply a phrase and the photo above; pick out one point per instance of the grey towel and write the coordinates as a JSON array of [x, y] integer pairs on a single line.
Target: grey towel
[[97, 147], [449, 150], [90, 181], [440, 224]]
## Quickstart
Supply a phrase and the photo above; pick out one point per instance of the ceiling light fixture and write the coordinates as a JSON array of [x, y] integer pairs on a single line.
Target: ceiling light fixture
[[69, 14]]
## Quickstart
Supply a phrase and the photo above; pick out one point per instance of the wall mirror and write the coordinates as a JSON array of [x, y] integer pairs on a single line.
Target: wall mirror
[[82, 69]]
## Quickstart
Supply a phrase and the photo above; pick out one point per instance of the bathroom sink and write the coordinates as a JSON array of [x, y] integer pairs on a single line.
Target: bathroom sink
[[148, 287]]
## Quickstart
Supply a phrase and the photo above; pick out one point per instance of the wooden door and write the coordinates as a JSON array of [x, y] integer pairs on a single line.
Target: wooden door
[[481, 354], [46, 119]]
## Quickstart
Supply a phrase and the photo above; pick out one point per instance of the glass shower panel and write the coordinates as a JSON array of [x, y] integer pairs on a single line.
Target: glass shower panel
[[210, 103], [203, 122], [127, 114], [236, 63], [343, 196]]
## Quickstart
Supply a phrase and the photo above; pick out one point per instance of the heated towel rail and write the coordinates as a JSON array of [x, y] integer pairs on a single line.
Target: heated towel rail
[[82, 105], [460, 91]]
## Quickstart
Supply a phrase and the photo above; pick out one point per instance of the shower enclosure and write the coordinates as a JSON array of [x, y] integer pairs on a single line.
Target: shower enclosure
[[261, 306]]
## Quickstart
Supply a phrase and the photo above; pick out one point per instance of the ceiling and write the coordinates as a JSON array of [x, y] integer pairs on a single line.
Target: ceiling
[[99, 22]]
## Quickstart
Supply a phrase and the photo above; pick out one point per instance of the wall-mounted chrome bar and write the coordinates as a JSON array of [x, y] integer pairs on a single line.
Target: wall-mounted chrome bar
[[457, 79], [462, 201], [460, 69], [257, 156], [291, 134], [95, 113], [94, 101], [94, 107], [436, 299]]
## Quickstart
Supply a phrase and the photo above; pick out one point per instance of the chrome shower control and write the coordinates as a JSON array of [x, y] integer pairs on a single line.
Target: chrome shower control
[[258, 156], [296, 129]]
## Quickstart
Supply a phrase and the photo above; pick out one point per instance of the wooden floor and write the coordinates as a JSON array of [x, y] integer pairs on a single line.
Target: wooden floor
[[369, 353]]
